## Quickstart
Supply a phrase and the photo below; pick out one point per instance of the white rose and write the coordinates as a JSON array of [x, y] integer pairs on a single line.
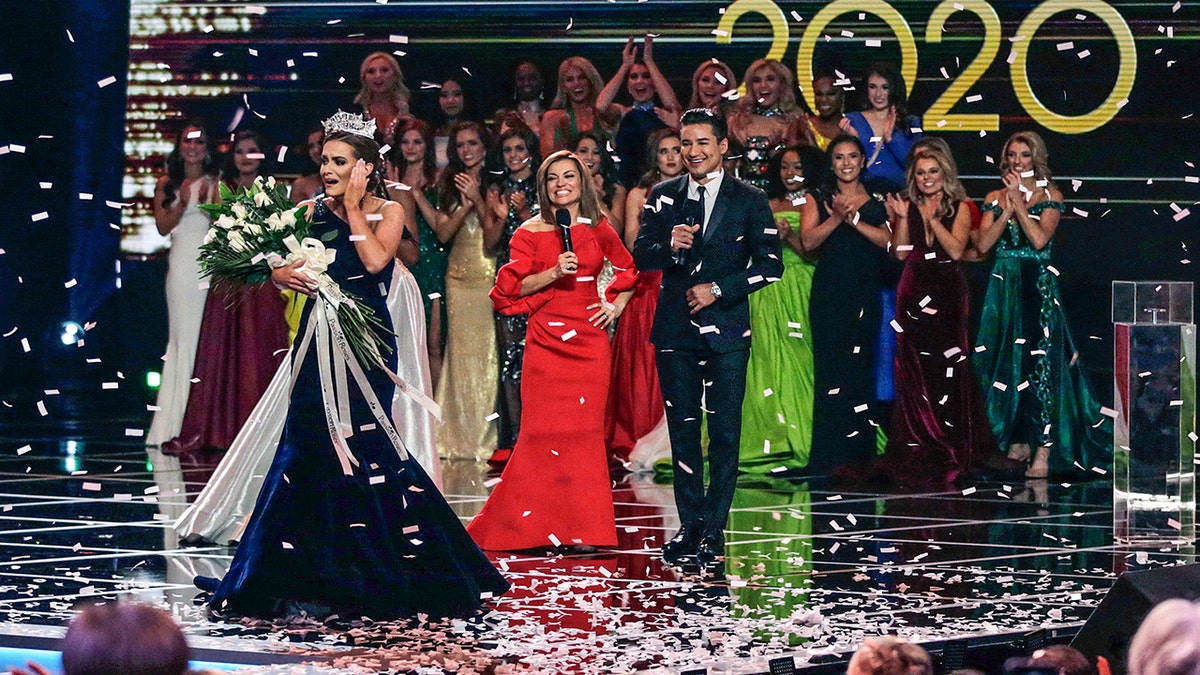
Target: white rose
[[258, 180], [271, 182], [210, 236], [237, 243], [288, 218], [239, 211], [261, 199], [254, 229], [274, 223], [225, 221]]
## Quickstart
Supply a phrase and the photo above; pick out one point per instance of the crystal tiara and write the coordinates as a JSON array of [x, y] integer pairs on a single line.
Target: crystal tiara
[[350, 123]]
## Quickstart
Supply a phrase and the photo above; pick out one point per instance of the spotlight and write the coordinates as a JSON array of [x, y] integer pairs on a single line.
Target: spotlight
[[153, 379], [70, 333]]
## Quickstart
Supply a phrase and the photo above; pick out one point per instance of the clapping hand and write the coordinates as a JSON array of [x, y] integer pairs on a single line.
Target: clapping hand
[[889, 125], [897, 207], [629, 54], [846, 127], [843, 208], [785, 228], [468, 188]]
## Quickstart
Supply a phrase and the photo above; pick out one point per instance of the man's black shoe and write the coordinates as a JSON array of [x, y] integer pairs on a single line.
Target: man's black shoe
[[711, 546], [682, 545]]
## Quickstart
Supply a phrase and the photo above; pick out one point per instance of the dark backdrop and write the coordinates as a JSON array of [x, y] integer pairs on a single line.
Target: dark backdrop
[[294, 62]]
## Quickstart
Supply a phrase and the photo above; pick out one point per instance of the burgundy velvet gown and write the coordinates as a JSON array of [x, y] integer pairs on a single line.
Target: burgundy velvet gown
[[939, 426], [243, 338]]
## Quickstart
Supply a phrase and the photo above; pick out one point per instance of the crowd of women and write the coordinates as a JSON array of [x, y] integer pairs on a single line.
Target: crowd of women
[[860, 354]]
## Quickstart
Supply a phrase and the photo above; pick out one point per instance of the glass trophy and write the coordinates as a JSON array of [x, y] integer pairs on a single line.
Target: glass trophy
[[1154, 444]]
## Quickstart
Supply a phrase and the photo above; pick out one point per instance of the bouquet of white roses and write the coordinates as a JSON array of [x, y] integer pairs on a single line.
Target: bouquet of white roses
[[258, 228]]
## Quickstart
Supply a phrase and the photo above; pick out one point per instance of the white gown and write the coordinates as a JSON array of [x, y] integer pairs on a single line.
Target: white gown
[[221, 510], [185, 310]]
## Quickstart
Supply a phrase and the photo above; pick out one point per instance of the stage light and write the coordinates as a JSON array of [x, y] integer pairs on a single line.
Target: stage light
[[69, 333], [153, 379]]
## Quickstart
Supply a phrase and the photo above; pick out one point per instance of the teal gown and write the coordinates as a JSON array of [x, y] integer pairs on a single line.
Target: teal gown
[[1023, 338], [777, 427]]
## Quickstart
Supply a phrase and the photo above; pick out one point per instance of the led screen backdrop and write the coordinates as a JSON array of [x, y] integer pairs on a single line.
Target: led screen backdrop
[[1110, 84]]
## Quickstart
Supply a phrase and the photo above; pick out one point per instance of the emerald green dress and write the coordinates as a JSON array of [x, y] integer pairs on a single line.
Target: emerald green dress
[[777, 426], [1028, 366], [432, 259]]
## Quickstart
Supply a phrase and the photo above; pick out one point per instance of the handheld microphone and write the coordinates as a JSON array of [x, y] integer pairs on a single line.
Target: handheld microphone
[[681, 256], [563, 218]]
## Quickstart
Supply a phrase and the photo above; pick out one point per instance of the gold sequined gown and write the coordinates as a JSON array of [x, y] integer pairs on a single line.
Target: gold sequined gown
[[467, 389]]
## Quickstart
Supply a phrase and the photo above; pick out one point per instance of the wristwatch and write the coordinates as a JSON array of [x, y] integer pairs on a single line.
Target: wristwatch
[[716, 290]]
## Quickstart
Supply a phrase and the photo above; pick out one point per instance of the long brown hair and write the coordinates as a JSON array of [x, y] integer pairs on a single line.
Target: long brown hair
[[448, 197], [589, 204], [396, 156], [367, 150]]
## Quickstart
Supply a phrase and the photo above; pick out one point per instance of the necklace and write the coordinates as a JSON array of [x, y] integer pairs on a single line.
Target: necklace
[[643, 105], [769, 112]]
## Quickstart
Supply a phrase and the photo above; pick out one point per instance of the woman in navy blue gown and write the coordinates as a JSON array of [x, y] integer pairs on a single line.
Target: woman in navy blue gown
[[378, 538]]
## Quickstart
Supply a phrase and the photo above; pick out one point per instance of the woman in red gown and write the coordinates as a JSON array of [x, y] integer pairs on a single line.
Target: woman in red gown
[[555, 490], [635, 403]]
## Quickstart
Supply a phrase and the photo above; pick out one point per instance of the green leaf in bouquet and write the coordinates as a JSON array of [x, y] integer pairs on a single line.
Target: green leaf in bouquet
[[225, 192], [329, 236]]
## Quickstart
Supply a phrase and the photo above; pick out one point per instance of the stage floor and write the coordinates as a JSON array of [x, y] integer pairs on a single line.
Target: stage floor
[[810, 571]]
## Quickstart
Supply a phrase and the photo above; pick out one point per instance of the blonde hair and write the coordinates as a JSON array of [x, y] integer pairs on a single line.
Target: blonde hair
[[722, 68], [953, 193], [890, 655], [589, 72], [1037, 148], [397, 92], [787, 93], [589, 204], [1168, 641]]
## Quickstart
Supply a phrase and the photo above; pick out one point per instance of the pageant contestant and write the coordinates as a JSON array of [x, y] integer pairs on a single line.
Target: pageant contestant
[[376, 538], [939, 430], [1024, 335], [713, 236], [555, 489], [190, 182]]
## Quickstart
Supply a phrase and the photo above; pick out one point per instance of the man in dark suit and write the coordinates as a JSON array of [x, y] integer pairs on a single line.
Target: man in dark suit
[[714, 238]]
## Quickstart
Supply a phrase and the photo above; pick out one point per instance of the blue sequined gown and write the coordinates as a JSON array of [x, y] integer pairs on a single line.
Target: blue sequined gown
[[382, 542]]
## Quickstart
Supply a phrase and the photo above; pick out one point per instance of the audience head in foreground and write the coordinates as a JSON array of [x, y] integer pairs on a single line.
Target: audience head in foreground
[[1168, 641], [124, 639], [889, 655]]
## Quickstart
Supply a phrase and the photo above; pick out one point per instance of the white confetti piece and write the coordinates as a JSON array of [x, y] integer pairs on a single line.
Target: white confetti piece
[[91, 487], [376, 480], [106, 81], [569, 334], [24, 449]]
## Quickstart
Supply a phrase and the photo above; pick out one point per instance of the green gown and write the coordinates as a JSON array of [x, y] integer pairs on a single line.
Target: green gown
[[1028, 366], [777, 426]]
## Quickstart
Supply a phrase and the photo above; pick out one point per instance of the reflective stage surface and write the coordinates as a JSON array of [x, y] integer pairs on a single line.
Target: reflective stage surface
[[810, 571]]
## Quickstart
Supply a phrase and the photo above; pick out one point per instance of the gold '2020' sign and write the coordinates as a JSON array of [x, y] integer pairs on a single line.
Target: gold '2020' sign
[[992, 39]]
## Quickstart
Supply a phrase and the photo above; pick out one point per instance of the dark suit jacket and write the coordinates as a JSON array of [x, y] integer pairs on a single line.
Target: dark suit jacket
[[739, 251]]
